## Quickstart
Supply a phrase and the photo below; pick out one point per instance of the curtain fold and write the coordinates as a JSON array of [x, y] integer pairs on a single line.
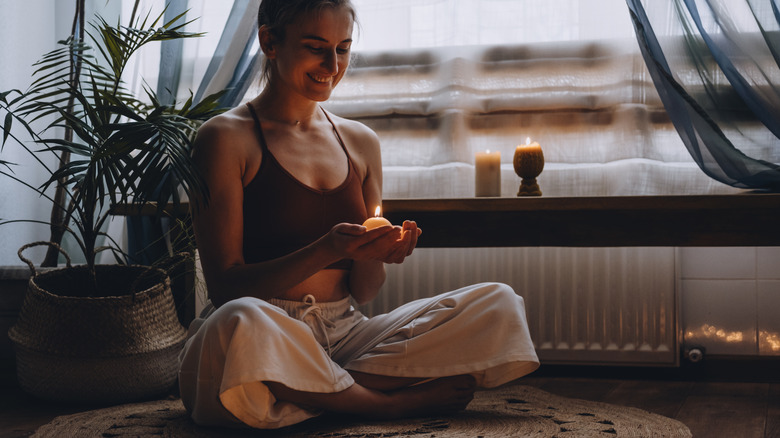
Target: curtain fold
[[170, 57], [234, 64], [718, 78]]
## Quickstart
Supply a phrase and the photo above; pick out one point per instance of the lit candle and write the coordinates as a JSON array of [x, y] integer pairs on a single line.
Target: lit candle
[[487, 176], [376, 221], [528, 163], [529, 148]]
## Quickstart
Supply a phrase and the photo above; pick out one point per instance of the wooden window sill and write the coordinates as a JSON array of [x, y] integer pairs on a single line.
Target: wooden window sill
[[748, 219]]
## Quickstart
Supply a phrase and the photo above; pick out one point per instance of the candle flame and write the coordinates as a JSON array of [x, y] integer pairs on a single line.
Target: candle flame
[[528, 140], [378, 211]]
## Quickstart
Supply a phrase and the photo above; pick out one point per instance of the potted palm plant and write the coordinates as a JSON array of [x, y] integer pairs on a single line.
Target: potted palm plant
[[101, 333]]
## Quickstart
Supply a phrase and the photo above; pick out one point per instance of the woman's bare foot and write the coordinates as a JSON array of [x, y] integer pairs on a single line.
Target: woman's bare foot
[[444, 395], [384, 383]]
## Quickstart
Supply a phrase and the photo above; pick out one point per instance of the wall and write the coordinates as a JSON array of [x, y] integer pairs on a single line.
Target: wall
[[730, 300]]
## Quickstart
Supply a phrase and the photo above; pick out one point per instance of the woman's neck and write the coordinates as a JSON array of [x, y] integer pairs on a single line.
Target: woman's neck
[[285, 109]]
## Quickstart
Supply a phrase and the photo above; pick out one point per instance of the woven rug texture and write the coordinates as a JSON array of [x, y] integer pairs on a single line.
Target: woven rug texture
[[510, 411]]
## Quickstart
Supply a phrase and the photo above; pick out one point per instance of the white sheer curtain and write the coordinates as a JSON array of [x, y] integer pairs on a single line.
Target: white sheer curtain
[[28, 30], [439, 80], [405, 24], [208, 17], [16, 74]]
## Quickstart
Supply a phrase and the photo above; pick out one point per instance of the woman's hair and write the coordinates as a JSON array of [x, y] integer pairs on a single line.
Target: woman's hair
[[275, 15]]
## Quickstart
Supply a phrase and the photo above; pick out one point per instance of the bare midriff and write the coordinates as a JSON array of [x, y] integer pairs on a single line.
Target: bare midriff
[[326, 286]]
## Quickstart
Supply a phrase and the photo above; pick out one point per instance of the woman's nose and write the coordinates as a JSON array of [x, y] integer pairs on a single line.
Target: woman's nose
[[331, 62]]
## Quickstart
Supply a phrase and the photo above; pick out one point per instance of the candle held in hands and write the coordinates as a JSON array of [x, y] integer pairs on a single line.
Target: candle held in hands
[[376, 221]]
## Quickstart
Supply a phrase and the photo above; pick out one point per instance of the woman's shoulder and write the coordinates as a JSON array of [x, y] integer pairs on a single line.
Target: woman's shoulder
[[355, 132], [236, 121], [231, 128], [226, 139]]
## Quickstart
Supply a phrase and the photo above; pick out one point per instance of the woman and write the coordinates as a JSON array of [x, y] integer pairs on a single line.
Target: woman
[[284, 252]]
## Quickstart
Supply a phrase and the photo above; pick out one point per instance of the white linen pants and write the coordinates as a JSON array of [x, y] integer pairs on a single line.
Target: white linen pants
[[479, 330]]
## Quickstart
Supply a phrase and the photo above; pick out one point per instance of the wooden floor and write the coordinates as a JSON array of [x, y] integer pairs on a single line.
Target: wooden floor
[[744, 404]]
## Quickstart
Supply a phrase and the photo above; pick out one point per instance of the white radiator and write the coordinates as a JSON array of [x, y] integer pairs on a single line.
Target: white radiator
[[614, 306]]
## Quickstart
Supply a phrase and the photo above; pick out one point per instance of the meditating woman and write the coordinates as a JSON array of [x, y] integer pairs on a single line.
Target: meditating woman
[[284, 254]]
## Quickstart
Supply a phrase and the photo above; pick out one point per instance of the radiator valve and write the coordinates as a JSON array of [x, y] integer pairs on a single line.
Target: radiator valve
[[695, 354]]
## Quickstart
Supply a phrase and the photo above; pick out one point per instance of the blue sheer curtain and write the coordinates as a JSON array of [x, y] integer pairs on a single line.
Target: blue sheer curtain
[[715, 66]]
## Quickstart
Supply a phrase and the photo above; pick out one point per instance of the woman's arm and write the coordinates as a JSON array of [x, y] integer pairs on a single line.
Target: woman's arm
[[368, 275]]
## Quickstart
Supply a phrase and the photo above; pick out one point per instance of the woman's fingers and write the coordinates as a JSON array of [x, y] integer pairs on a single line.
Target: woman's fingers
[[350, 229], [412, 232], [390, 244], [349, 240]]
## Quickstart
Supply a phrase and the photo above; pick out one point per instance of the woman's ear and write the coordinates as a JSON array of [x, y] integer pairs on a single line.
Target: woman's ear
[[267, 42]]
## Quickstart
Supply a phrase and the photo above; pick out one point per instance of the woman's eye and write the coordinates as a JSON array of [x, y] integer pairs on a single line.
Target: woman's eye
[[319, 50]]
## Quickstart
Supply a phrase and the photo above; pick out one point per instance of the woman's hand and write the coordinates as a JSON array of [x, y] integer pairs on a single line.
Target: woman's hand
[[406, 243], [388, 244]]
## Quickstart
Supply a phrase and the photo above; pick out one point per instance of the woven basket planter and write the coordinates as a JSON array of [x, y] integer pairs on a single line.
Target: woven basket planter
[[119, 347]]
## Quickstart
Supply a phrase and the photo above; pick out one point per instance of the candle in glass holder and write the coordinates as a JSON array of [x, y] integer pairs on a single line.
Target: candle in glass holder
[[487, 176], [376, 221], [528, 163]]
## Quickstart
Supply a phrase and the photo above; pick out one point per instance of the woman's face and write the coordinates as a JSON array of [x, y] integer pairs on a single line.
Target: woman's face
[[315, 53]]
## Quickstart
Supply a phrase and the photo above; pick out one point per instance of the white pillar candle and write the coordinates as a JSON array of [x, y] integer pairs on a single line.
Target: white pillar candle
[[487, 177]]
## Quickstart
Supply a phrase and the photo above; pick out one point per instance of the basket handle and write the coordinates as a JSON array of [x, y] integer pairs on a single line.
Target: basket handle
[[167, 265], [32, 244]]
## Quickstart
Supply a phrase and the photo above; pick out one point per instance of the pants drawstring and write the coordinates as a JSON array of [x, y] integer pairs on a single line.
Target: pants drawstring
[[316, 312]]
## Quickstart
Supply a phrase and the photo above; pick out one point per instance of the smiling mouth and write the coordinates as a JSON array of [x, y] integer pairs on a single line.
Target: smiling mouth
[[320, 79]]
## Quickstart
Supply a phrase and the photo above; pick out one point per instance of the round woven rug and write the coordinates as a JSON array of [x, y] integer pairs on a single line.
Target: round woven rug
[[511, 411]]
